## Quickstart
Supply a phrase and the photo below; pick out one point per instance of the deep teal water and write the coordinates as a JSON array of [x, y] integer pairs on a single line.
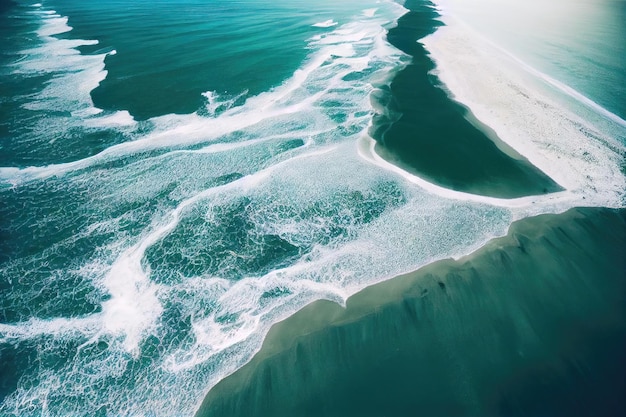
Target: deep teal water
[[182, 49], [177, 176]]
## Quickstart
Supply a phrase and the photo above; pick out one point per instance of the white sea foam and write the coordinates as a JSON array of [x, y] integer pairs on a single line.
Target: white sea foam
[[245, 142], [54, 25], [57, 327], [118, 118], [73, 74], [370, 12], [217, 104], [133, 308], [325, 24]]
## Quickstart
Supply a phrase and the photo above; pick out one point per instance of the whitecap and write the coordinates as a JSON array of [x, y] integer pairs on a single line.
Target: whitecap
[[370, 12], [325, 24]]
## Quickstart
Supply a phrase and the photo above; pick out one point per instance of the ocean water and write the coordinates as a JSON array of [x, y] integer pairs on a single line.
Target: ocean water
[[176, 176]]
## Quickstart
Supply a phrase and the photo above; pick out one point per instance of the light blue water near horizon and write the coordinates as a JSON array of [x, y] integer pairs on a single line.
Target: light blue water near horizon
[[580, 43], [177, 176]]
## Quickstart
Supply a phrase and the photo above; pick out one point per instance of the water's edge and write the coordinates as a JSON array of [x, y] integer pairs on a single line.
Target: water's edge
[[528, 323], [427, 133]]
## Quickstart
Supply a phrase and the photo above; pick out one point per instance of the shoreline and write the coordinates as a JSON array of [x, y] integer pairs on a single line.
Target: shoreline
[[426, 132], [474, 336], [539, 117]]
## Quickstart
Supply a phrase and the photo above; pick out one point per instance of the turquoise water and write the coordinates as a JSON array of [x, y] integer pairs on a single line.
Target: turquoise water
[[229, 49], [177, 176]]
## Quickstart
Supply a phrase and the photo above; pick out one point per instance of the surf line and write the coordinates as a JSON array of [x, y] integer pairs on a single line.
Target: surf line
[[366, 149], [117, 310]]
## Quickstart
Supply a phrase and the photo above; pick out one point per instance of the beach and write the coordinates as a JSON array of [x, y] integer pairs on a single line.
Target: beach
[[532, 324]]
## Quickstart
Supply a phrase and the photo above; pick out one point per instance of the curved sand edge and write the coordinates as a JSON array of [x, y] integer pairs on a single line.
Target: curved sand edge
[[533, 322]]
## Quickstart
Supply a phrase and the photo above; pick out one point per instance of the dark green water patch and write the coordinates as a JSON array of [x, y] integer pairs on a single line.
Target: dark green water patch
[[426, 133], [6, 5], [14, 362]]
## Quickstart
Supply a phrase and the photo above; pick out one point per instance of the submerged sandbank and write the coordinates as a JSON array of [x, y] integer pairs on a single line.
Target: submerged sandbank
[[533, 323], [578, 145], [422, 130]]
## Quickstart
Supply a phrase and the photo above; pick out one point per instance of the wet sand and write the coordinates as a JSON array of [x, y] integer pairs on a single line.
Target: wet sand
[[532, 324]]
